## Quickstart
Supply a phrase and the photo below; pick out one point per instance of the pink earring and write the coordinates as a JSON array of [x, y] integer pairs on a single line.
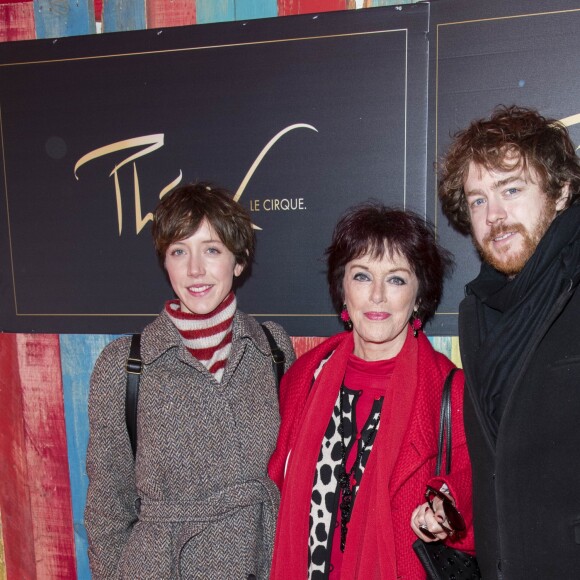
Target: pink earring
[[345, 317], [416, 324]]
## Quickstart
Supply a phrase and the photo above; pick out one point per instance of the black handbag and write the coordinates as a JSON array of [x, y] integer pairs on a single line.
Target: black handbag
[[439, 560]]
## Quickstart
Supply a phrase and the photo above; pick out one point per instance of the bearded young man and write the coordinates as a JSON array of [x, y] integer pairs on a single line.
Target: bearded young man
[[513, 182]]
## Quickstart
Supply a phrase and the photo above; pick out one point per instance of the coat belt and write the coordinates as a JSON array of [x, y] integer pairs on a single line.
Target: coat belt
[[214, 507]]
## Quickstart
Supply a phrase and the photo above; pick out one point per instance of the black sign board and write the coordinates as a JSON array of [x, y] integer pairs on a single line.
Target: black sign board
[[299, 117]]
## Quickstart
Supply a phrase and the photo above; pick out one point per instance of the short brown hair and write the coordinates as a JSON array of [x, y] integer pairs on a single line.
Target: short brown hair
[[375, 229], [180, 213], [509, 133]]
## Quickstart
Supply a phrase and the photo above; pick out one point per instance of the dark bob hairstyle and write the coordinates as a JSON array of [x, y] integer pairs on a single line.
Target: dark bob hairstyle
[[180, 213], [373, 229]]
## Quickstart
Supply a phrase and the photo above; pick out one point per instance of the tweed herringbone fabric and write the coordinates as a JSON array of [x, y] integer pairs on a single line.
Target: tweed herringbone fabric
[[199, 480]]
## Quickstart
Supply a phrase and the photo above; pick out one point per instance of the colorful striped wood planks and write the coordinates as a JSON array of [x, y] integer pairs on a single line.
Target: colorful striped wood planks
[[78, 356], [123, 15], [17, 21], [288, 7], [36, 495], [57, 19], [162, 13], [231, 10]]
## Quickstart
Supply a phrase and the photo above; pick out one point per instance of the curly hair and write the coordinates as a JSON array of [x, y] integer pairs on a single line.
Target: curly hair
[[374, 229], [180, 213], [511, 137]]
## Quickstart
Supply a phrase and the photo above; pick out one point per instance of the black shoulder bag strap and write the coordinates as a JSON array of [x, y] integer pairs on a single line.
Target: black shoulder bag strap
[[278, 358], [445, 426], [133, 376], [439, 560]]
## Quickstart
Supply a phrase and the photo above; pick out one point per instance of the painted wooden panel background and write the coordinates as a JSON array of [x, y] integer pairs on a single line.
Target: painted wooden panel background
[[44, 378]]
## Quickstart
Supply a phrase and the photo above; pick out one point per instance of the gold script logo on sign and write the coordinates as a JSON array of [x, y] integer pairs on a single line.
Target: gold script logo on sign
[[150, 143]]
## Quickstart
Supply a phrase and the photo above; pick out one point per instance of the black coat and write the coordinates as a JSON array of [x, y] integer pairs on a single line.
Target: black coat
[[526, 487]]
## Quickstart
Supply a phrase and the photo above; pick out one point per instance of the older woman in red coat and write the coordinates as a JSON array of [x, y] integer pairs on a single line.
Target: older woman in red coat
[[360, 413]]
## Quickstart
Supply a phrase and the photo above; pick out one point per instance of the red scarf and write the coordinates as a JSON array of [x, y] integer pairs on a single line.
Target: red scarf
[[370, 547]]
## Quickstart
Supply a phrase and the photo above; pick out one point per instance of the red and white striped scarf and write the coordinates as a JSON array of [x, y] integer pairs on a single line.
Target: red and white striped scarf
[[208, 337]]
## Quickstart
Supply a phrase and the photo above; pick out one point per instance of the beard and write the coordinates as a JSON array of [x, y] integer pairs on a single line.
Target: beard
[[510, 263]]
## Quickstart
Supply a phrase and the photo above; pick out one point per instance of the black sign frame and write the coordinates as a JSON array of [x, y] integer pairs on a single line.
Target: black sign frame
[[336, 103]]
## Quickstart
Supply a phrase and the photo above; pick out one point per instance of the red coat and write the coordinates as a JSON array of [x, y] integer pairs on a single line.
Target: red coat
[[402, 462]]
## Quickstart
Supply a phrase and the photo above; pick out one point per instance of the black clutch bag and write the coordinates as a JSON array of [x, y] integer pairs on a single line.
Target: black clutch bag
[[439, 560], [444, 563]]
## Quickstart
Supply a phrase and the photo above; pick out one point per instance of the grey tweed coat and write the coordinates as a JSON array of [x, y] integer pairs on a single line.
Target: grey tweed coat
[[197, 502]]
